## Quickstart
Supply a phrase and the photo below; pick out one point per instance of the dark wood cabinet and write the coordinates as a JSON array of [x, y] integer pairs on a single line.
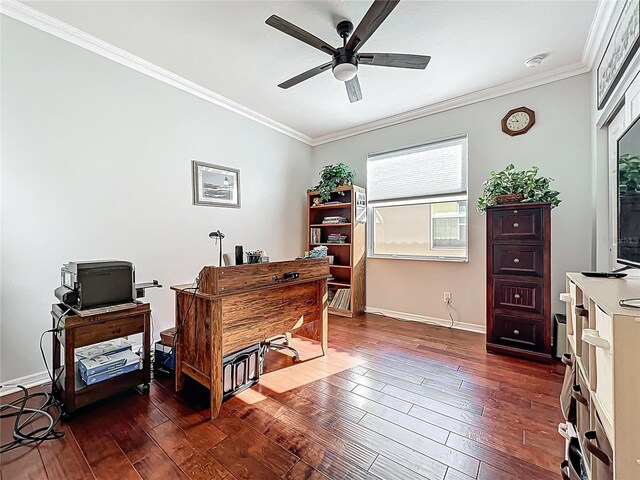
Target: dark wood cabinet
[[519, 280]]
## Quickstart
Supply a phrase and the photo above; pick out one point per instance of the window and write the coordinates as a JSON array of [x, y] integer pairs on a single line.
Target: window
[[417, 202]]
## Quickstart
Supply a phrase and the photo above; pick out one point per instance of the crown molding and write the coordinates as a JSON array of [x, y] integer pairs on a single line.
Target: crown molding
[[597, 37], [48, 24], [31, 16], [461, 101]]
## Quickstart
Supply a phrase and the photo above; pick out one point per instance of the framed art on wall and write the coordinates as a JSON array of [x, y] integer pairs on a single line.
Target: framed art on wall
[[215, 186], [624, 42]]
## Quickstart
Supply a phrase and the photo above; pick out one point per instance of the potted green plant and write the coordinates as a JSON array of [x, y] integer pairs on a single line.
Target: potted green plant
[[332, 177], [517, 186]]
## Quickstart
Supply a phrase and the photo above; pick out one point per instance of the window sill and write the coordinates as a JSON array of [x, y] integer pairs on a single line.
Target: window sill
[[420, 258]]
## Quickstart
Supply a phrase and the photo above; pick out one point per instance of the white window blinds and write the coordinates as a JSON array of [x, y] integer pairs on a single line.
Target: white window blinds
[[435, 169]]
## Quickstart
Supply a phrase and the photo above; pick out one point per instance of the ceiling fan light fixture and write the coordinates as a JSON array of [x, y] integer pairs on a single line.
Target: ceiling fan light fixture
[[345, 71]]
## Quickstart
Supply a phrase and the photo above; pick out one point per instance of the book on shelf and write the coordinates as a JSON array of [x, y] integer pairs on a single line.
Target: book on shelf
[[336, 238], [341, 299], [334, 220], [315, 235]]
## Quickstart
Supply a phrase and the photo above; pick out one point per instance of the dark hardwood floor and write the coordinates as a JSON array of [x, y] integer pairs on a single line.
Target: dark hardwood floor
[[391, 400]]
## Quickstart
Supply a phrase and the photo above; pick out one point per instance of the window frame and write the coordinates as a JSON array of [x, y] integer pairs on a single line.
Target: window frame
[[371, 206], [458, 215]]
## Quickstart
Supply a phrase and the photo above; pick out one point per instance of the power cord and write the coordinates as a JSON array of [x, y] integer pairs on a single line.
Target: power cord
[[19, 409], [449, 312], [195, 286]]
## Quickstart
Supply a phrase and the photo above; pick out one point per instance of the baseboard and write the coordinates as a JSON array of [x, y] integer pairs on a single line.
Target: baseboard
[[28, 381], [440, 322]]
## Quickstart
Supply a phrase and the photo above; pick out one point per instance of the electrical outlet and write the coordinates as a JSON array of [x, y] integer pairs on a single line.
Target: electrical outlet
[[447, 297]]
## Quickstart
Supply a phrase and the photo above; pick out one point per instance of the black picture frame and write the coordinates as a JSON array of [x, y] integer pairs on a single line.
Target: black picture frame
[[619, 52]]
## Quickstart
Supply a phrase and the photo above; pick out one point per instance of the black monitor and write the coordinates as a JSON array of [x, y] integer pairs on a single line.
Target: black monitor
[[629, 196]]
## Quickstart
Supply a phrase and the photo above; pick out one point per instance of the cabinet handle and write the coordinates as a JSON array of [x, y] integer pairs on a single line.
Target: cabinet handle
[[516, 260], [515, 211], [516, 296], [563, 430], [577, 394], [589, 441], [516, 332], [567, 360], [581, 311], [516, 225], [592, 337]]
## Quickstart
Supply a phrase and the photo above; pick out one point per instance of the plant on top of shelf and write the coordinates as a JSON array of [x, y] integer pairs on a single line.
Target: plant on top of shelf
[[332, 177], [517, 186], [629, 174]]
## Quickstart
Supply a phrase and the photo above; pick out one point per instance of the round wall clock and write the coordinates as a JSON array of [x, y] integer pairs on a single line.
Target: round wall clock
[[518, 121]]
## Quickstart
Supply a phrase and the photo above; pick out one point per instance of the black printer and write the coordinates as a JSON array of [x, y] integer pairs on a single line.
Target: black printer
[[100, 283]]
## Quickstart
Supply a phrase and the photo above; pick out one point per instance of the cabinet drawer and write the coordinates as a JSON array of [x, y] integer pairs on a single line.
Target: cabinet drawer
[[602, 339], [95, 333], [580, 393], [517, 295], [524, 260], [517, 224], [519, 332]]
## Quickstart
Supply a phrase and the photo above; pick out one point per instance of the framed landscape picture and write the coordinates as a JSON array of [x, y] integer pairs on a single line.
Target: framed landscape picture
[[624, 42], [215, 186]]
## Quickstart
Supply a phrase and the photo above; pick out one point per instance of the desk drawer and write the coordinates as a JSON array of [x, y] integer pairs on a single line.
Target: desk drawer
[[517, 224], [519, 332], [518, 295], [602, 339], [94, 333], [523, 260]]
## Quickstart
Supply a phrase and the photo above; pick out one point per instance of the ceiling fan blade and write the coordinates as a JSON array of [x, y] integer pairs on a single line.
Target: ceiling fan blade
[[376, 14], [398, 60], [353, 89], [302, 35], [305, 75]]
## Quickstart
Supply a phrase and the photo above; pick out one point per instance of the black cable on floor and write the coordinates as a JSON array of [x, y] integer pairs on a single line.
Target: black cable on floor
[[19, 409], [25, 415]]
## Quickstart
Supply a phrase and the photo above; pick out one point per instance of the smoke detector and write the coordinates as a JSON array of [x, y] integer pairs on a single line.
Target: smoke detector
[[533, 62]]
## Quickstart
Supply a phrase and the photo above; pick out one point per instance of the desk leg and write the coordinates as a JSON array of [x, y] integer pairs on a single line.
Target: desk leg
[[69, 371], [323, 320], [55, 352], [146, 362], [179, 377], [215, 390]]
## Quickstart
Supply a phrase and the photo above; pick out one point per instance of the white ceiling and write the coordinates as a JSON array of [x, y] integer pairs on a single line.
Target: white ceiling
[[226, 47]]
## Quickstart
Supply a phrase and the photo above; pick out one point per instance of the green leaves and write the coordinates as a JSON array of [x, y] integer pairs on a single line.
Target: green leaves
[[331, 177], [629, 174], [527, 182]]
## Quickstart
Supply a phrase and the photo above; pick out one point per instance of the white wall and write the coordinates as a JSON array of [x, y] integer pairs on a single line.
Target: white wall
[[559, 143], [96, 163]]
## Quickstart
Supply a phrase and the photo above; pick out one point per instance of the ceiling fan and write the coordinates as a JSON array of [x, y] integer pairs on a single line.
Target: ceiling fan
[[345, 59]]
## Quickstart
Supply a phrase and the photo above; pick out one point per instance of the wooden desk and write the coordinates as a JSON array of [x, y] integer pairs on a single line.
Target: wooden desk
[[95, 326], [241, 305]]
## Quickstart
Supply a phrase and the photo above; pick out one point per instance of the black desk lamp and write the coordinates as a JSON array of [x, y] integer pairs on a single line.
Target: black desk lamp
[[218, 235]]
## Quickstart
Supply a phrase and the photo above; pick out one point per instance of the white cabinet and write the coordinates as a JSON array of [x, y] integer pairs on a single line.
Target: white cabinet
[[607, 347]]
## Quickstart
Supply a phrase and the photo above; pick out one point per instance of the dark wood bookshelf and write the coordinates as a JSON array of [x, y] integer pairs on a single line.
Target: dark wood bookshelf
[[348, 269]]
